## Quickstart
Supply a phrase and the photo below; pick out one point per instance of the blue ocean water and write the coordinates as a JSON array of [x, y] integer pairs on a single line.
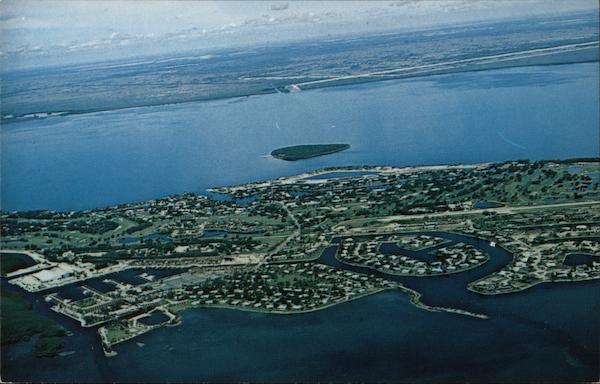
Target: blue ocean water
[[380, 338], [101, 159], [548, 333]]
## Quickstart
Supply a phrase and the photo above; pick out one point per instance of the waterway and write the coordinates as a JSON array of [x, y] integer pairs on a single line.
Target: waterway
[[382, 336], [131, 155], [580, 259], [445, 291]]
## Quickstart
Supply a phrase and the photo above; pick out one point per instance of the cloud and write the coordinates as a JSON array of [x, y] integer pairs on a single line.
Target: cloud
[[66, 29]]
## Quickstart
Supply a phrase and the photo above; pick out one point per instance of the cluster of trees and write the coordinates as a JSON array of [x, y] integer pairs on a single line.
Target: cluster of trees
[[20, 322], [15, 227], [98, 226]]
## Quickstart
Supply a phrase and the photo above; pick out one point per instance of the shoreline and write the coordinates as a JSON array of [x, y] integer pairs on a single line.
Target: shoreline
[[528, 286], [415, 299], [290, 312], [385, 169], [295, 87], [415, 275], [492, 62], [389, 169]]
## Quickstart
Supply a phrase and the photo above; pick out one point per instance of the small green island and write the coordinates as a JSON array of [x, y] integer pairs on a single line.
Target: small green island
[[301, 152]]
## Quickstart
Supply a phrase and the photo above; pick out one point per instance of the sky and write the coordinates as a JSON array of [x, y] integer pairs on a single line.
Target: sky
[[43, 33]]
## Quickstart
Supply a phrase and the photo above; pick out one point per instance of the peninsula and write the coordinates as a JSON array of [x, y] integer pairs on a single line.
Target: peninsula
[[301, 152], [304, 244]]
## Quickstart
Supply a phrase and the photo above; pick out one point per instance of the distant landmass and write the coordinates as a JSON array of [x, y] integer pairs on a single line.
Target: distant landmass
[[40, 92], [300, 152]]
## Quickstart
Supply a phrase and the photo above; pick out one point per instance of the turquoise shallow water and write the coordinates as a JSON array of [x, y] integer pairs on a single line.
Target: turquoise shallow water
[[88, 161]]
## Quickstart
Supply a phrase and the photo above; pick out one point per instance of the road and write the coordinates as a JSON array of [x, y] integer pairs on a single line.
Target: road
[[290, 237], [424, 69]]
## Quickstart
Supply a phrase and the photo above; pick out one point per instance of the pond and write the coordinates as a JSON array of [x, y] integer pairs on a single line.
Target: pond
[[483, 204], [10, 262], [574, 259], [156, 317]]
